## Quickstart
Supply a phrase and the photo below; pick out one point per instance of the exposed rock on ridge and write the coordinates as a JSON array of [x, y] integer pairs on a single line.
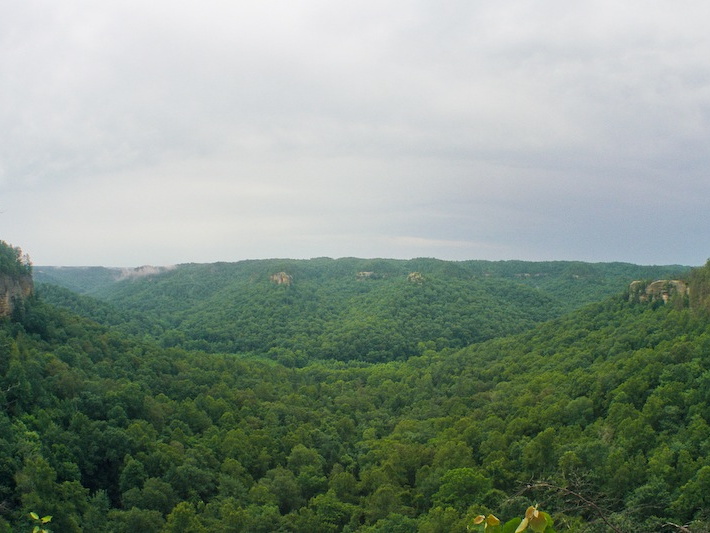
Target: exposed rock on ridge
[[662, 289], [415, 277], [281, 278], [13, 288]]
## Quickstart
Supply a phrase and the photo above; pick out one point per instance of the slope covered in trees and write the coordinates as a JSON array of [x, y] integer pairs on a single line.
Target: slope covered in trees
[[12, 261], [602, 414], [372, 310]]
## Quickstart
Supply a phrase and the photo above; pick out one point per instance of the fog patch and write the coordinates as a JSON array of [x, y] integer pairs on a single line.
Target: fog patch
[[144, 271]]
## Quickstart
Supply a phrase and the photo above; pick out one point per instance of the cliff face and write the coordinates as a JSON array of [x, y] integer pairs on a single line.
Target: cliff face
[[281, 278], [662, 289], [13, 288]]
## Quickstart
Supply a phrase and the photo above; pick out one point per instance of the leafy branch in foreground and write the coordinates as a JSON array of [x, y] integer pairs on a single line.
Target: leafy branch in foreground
[[40, 523], [538, 521], [589, 504]]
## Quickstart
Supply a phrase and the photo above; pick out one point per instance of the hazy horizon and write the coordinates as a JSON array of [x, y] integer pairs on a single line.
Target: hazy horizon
[[174, 265]]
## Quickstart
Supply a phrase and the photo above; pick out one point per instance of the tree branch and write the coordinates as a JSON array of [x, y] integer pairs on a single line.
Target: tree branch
[[589, 503]]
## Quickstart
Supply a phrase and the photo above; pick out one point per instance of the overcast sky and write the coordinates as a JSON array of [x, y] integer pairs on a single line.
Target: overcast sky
[[136, 132]]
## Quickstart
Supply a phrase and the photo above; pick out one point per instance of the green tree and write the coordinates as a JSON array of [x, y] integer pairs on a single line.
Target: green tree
[[183, 519], [134, 520], [694, 499], [461, 488]]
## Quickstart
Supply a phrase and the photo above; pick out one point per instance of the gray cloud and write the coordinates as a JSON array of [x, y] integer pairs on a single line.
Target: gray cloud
[[161, 133]]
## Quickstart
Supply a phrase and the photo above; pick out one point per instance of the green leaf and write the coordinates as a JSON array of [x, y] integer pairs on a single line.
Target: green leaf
[[479, 520], [538, 523], [492, 520], [523, 525], [46, 519], [548, 519], [511, 525], [34, 515]]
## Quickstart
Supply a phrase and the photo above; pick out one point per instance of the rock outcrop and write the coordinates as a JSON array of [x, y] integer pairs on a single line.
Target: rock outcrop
[[12, 289], [662, 289], [281, 278], [415, 277]]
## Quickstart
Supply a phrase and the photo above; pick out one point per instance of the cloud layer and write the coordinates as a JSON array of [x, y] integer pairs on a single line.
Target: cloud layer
[[164, 133]]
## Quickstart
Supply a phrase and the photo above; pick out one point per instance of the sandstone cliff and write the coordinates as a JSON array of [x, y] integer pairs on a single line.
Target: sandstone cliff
[[662, 289], [415, 277], [281, 278], [13, 288]]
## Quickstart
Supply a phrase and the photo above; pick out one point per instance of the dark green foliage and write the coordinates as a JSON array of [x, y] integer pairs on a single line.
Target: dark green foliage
[[602, 414], [700, 288], [97, 310]]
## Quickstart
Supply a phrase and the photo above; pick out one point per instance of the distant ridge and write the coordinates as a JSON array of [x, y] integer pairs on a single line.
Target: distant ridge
[[362, 309]]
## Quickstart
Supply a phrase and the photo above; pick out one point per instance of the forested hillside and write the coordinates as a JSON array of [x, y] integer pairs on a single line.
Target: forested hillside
[[601, 416], [371, 310]]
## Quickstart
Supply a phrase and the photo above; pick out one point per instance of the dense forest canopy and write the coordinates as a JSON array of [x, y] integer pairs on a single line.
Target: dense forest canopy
[[601, 415], [372, 310]]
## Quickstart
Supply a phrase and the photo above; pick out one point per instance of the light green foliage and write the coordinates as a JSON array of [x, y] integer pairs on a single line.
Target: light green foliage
[[40, 523], [534, 520], [461, 488], [183, 519]]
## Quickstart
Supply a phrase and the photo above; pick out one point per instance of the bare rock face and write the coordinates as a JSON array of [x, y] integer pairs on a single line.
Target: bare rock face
[[662, 289], [13, 288], [415, 277], [281, 278]]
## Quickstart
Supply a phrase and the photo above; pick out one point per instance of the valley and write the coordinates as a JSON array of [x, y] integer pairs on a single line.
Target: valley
[[212, 398]]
